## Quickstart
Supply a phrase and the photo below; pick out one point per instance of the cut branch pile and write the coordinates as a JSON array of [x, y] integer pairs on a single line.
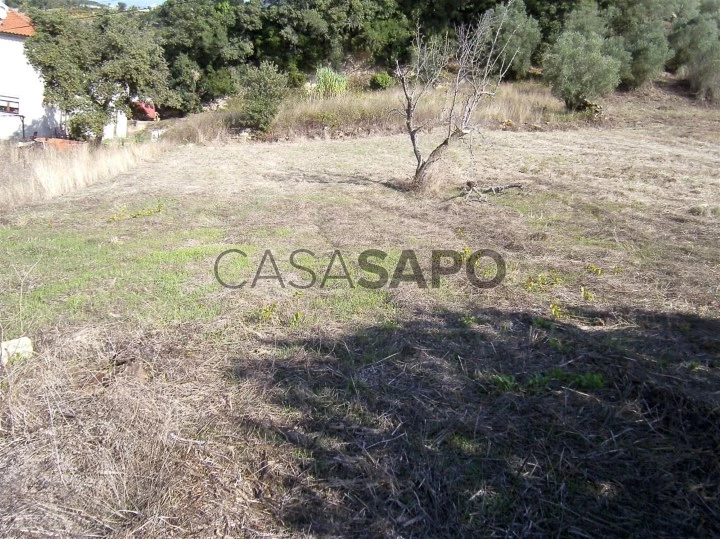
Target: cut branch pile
[[472, 188]]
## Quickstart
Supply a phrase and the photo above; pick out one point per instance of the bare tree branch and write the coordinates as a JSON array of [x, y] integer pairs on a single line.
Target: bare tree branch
[[481, 65]]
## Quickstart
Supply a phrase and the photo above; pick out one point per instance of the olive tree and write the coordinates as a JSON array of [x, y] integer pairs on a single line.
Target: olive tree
[[520, 33], [480, 62], [578, 68]]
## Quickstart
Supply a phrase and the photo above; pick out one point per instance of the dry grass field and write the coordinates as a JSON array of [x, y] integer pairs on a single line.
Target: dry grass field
[[581, 398]]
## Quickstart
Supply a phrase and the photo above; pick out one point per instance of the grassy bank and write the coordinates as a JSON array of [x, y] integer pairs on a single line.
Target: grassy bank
[[34, 173], [517, 107]]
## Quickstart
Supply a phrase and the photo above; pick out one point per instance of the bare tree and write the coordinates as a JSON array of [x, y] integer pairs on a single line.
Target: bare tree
[[481, 62]]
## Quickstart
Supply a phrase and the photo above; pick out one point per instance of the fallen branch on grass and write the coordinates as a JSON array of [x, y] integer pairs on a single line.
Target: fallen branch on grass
[[471, 187], [495, 190]]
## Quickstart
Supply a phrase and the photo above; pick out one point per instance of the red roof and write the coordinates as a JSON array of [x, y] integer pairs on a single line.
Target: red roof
[[17, 24]]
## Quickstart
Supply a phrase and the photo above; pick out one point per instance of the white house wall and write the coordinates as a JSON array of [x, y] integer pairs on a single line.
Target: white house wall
[[116, 128], [20, 80]]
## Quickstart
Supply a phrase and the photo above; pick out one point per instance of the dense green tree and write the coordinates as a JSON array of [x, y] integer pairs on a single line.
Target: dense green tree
[[303, 37], [519, 36], [205, 42], [681, 35], [309, 33], [185, 75], [550, 15], [578, 68], [648, 46], [52, 4], [697, 49], [217, 83], [624, 16], [634, 34], [384, 34], [704, 71], [437, 16], [205, 38], [587, 19], [643, 25], [617, 47], [693, 30], [209, 36], [385, 39], [93, 68]]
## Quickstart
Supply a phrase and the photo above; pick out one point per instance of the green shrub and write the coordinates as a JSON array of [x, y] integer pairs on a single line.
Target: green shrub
[[520, 35], [589, 381], [697, 48], [586, 19], [649, 49], [217, 83], [296, 78], [87, 123], [577, 68], [264, 90], [616, 47], [381, 81], [704, 71], [328, 83], [504, 382]]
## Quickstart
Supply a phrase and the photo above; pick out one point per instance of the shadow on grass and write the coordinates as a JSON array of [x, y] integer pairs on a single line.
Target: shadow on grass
[[341, 179], [496, 423]]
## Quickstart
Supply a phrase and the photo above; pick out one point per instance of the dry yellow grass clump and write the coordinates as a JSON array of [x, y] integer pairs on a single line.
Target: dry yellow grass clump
[[201, 128], [28, 174]]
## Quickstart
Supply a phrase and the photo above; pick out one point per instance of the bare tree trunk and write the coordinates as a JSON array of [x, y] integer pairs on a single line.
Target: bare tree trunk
[[425, 167]]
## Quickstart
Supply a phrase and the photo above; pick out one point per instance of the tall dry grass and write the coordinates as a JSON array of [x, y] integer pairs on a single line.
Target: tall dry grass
[[201, 128], [35, 173], [516, 105]]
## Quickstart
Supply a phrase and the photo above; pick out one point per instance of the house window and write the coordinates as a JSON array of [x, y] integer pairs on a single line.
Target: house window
[[9, 105]]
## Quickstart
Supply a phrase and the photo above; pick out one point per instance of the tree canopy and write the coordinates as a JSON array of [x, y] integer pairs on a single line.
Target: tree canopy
[[92, 68], [198, 48]]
